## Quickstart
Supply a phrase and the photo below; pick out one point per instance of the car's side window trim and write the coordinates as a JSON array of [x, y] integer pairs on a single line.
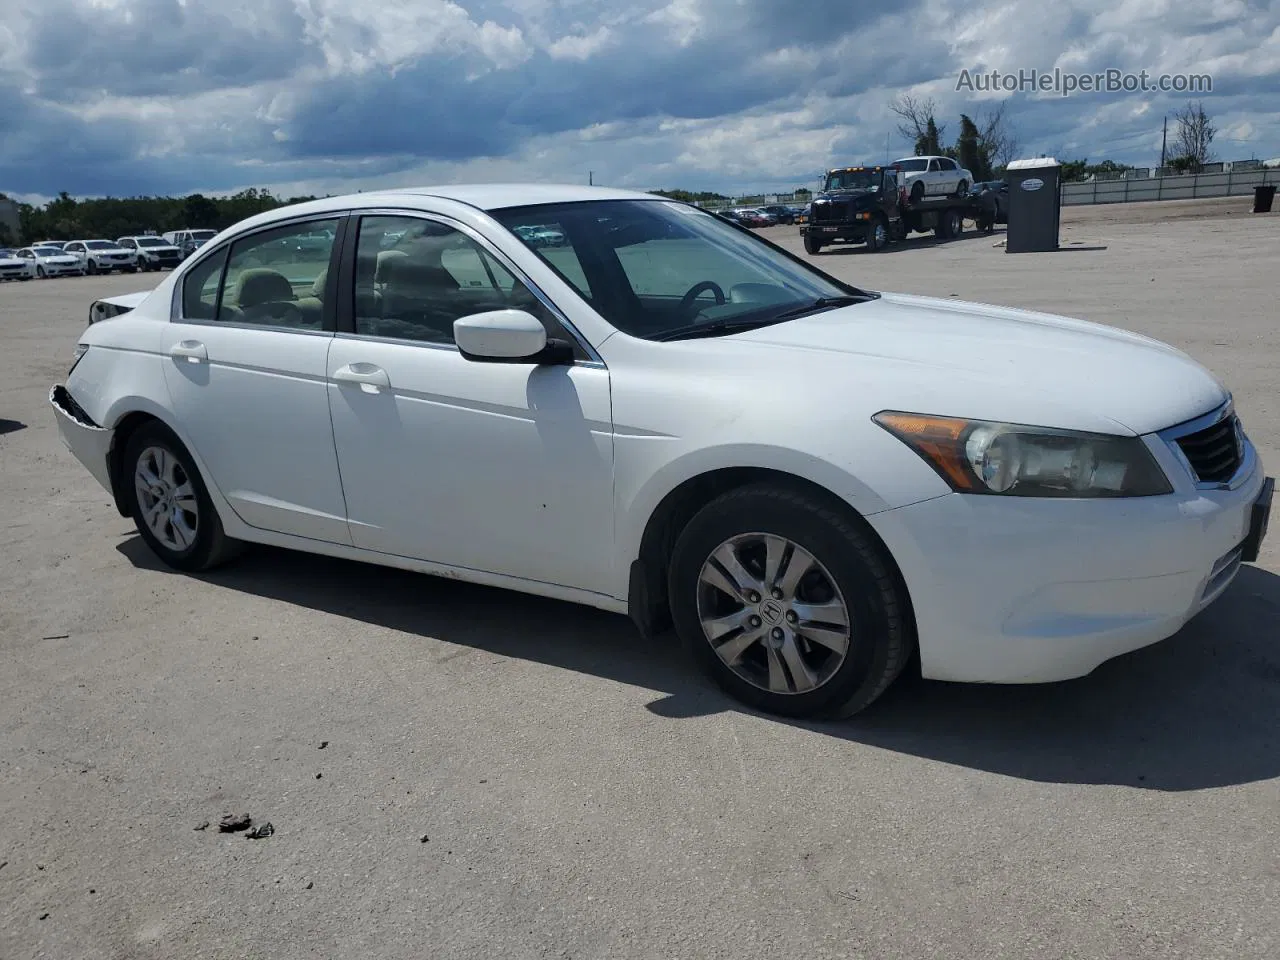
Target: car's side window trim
[[346, 295], [329, 316]]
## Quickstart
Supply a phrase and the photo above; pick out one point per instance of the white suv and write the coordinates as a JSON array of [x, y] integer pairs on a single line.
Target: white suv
[[154, 253], [103, 256], [932, 177]]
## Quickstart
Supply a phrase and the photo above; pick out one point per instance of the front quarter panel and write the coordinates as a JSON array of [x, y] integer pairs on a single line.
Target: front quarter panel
[[681, 411]]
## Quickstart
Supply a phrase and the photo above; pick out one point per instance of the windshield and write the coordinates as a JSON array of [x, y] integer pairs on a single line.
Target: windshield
[[48, 251], [99, 244], [653, 266], [853, 180], [150, 242], [203, 234], [913, 165]]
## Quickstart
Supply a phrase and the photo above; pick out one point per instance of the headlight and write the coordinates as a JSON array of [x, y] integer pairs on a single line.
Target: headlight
[[977, 456], [81, 350]]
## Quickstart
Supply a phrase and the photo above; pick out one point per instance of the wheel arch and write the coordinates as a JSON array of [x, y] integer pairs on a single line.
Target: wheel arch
[[124, 425], [647, 599]]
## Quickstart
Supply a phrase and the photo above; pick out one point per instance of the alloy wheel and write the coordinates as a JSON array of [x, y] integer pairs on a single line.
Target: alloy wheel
[[167, 498], [773, 613]]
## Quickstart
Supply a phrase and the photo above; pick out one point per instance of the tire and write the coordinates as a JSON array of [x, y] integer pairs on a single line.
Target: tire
[[949, 225], [811, 246], [191, 547], [878, 237], [40, 272], [851, 578], [962, 188], [91, 267], [917, 191]]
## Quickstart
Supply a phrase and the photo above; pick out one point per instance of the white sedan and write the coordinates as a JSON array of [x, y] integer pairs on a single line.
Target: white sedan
[[668, 417], [52, 261], [924, 177], [102, 256], [14, 267]]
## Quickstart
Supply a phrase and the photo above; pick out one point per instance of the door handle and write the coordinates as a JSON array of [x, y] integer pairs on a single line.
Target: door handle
[[369, 377], [192, 350]]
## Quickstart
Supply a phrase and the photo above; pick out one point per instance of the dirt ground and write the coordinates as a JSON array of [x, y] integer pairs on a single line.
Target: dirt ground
[[453, 771]]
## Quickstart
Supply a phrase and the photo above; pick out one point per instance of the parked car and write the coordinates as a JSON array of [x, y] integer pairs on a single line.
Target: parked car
[[189, 241], [999, 190], [50, 243], [538, 235], [52, 261], [103, 256], [672, 418], [781, 213], [154, 253], [752, 217], [14, 267], [924, 177]]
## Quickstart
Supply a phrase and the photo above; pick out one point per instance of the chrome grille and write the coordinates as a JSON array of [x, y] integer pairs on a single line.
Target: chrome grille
[[1214, 452]]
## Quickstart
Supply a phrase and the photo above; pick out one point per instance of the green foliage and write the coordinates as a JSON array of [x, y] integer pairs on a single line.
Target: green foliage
[[803, 193], [1083, 169], [689, 196], [972, 152], [65, 218]]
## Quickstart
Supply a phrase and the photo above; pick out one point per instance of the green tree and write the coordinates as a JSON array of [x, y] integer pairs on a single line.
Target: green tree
[[969, 150]]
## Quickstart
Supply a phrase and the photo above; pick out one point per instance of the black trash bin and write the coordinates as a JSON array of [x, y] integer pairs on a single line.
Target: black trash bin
[[1262, 198]]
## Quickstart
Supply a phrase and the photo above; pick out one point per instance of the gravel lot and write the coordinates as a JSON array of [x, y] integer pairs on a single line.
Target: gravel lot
[[454, 771]]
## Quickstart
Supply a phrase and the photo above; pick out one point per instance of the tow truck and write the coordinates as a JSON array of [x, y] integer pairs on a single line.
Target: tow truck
[[868, 205]]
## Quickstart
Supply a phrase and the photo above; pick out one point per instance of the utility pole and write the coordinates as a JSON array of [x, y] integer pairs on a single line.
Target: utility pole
[[1164, 141], [591, 178]]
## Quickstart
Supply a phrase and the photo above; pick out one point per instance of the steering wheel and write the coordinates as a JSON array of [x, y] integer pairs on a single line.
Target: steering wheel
[[687, 304]]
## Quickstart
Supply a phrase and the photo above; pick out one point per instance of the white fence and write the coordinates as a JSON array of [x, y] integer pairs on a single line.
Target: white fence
[[1234, 183]]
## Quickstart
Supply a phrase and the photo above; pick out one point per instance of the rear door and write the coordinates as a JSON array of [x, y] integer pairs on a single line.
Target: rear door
[[246, 352]]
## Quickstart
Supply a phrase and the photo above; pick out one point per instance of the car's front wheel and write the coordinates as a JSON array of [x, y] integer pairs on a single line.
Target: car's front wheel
[[91, 267], [40, 271], [171, 506], [788, 604], [811, 245]]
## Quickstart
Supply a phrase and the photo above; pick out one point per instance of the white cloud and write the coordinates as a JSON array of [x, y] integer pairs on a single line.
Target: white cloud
[[175, 95]]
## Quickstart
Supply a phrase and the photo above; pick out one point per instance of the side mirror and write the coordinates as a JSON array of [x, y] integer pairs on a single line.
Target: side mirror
[[507, 336]]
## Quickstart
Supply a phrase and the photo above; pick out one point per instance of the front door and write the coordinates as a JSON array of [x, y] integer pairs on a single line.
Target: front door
[[245, 365], [497, 467]]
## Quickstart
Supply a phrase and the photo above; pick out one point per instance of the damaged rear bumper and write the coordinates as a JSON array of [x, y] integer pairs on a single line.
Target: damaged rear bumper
[[90, 443]]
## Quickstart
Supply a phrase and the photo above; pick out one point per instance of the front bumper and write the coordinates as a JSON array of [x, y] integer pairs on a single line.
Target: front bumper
[[88, 442], [854, 232], [1012, 590]]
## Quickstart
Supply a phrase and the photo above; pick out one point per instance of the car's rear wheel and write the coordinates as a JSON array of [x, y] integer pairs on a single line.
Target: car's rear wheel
[[917, 191], [171, 505], [788, 604], [962, 188]]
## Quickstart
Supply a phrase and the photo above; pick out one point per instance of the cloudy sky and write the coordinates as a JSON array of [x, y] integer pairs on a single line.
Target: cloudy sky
[[129, 97]]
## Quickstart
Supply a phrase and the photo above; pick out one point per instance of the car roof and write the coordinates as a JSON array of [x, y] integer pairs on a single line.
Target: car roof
[[485, 196]]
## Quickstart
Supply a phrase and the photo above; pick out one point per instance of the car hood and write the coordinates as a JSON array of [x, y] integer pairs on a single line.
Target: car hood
[[952, 358], [160, 249], [57, 258], [10, 261]]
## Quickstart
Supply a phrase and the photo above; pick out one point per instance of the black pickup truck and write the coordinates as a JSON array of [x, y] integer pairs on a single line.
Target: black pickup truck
[[867, 205]]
